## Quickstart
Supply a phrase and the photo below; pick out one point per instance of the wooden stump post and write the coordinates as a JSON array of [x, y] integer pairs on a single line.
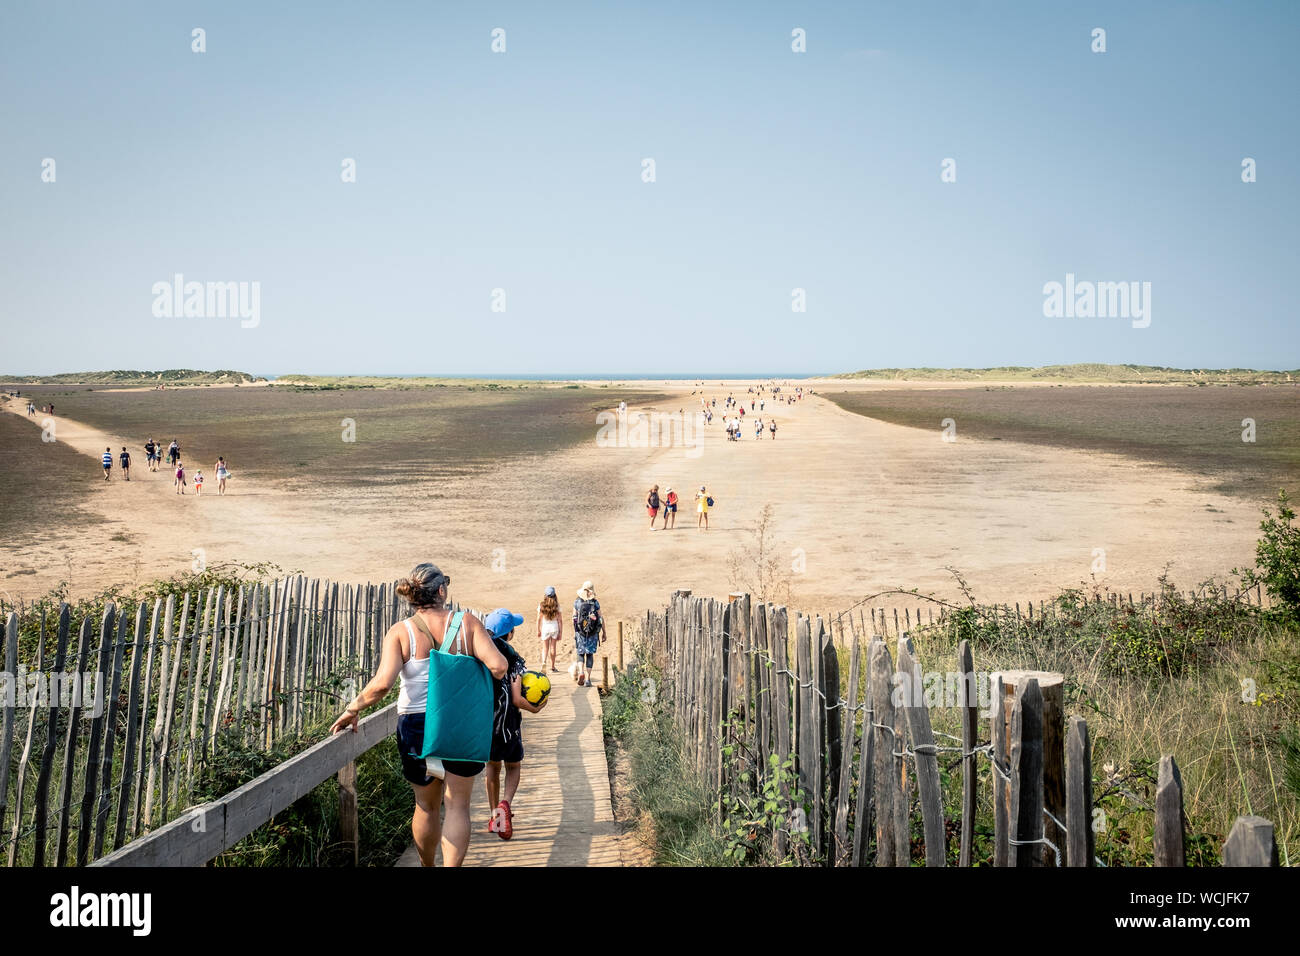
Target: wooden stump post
[[1250, 843], [604, 664], [1051, 687]]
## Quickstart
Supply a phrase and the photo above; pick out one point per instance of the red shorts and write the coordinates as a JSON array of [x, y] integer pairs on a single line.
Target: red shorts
[[652, 511]]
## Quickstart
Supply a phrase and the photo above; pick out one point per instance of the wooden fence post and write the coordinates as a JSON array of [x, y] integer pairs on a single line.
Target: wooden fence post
[[1078, 796], [8, 702], [1027, 774], [969, 729], [620, 647], [1168, 838], [1051, 688], [1000, 776], [885, 780], [926, 756], [1250, 843]]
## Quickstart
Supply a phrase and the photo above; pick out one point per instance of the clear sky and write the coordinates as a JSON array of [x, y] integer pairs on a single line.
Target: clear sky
[[522, 171]]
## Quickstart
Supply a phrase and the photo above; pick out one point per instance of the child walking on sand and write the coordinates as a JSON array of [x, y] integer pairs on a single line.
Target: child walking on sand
[[198, 483], [507, 735]]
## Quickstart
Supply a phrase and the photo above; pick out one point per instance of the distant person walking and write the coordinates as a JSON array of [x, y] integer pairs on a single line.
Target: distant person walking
[[108, 463], [125, 459], [222, 474], [550, 627], [588, 632], [406, 650], [702, 503], [773, 429], [173, 453], [31, 409], [198, 483], [180, 478], [652, 505], [150, 450]]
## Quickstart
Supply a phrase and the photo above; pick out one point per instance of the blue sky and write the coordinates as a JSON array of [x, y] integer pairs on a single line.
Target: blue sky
[[522, 170]]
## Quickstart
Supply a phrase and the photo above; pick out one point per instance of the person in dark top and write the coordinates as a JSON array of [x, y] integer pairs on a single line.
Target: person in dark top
[[125, 458], [507, 735]]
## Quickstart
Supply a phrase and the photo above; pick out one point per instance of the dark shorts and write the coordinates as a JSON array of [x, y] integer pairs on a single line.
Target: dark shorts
[[670, 509], [410, 739], [512, 752]]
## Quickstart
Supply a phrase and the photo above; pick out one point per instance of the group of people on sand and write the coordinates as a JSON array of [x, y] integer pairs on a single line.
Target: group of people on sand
[[153, 458], [653, 502], [444, 787], [45, 409]]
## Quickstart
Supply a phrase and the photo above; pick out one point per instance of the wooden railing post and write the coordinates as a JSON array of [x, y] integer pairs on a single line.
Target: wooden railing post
[[349, 823]]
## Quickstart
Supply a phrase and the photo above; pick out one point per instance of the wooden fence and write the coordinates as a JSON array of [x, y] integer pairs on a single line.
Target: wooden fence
[[172, 685], [746, 699]]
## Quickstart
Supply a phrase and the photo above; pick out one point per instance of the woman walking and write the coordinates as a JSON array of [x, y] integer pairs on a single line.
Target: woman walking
[[588, 632], [222, 475], [702, 509], [550, 627], [405, 654], [652, 505]]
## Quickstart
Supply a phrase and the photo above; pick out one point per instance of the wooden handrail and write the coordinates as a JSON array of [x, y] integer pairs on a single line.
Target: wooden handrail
[[202, 833]]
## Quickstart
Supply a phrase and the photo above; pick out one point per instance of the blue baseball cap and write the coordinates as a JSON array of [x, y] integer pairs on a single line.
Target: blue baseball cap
[[501, 622]]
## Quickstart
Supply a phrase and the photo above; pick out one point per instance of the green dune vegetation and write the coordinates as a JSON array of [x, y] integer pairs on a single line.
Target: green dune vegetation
[[170, 376], [1083, 373], [325, 382]]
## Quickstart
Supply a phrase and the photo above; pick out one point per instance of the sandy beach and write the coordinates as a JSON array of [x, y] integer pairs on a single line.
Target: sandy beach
[[858, 505]]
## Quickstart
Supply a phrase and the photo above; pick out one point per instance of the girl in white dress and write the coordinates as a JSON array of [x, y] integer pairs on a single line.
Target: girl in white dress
[[550, 627]]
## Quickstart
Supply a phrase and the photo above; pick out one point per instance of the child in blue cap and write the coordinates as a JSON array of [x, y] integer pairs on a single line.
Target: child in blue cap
[[507, 736]]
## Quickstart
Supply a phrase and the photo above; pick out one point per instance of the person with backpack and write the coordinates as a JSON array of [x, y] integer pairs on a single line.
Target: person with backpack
[[588, 633], [702, 505], [407, 648]]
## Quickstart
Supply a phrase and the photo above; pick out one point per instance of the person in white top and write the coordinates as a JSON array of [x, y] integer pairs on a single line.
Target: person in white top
[[405, 654], [550, 627]]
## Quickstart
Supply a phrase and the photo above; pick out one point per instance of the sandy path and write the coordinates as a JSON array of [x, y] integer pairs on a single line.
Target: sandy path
[[562, 813], [871, 505]]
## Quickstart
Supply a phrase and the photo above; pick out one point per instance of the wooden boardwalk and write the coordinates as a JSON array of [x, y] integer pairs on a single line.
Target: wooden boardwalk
[[562, 813]]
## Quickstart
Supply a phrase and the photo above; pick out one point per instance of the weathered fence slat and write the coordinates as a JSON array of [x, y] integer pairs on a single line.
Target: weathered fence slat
[[969, 703], [925, 755], [1251, 843], [1078, 800], [51, 742], [885, 786], [1168, 839], [1027, 774]]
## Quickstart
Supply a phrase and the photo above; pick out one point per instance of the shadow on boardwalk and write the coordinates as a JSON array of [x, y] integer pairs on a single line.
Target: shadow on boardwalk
[[562, 811]]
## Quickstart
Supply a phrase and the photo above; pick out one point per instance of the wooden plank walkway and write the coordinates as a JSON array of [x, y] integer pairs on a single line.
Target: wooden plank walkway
[[562, 811]]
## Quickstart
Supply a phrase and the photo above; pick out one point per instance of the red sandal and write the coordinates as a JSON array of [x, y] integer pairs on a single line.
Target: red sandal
[[501, 821]]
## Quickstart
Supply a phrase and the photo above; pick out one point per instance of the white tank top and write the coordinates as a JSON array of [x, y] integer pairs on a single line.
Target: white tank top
[[550, 628], [413, 692]]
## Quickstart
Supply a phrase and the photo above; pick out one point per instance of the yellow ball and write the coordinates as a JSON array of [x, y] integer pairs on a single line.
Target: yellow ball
[[536, 686]]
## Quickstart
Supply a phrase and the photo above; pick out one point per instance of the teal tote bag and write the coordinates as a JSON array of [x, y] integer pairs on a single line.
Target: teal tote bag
[[458, 712]]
